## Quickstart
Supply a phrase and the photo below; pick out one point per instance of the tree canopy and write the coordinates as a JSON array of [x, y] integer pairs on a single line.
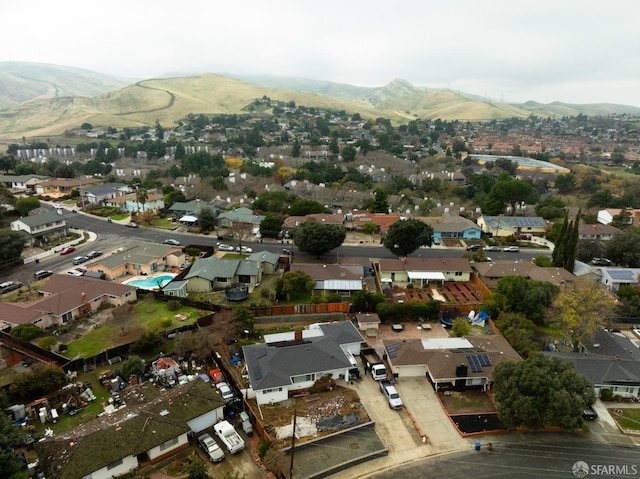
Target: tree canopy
[[294, 284], [318, 238], [12, 244], [507, 191], [406, 236], [624, 248], [541, 391]]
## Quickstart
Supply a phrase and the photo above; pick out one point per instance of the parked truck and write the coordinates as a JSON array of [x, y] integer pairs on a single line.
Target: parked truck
[[229, 437], [373, 363], [389, 390]]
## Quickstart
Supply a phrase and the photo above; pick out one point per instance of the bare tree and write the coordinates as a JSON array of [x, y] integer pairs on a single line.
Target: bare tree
[[122, 315], [240, 231], [194, 343]]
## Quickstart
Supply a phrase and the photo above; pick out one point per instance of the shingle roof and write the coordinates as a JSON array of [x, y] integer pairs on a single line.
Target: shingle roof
[[272, 365], [150, 419], [212, 267], [264, 257], [42, 219]]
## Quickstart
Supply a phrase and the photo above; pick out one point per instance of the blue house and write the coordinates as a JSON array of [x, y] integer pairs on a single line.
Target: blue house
[[454, 226]]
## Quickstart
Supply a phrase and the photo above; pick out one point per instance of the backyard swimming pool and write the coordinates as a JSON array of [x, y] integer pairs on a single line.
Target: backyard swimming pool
[[151, 283]]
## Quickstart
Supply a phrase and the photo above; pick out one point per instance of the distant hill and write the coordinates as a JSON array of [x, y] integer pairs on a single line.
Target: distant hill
[[22, 81], [46, 100]]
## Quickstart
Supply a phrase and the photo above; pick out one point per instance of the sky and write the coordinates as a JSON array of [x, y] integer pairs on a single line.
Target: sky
[[504, 50]]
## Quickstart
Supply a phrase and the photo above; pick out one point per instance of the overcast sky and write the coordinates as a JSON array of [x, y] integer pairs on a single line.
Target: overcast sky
[[561, 50]]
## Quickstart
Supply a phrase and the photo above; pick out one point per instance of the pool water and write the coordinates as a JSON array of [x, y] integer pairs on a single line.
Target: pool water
[[151, 283]]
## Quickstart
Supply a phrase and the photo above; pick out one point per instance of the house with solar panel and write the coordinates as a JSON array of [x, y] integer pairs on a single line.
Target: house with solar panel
[[450, 363], [343, 279], [294, 361], [503, 225], [613, 278]]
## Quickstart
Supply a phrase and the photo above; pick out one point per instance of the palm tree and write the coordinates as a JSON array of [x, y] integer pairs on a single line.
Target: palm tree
[[141, 197]]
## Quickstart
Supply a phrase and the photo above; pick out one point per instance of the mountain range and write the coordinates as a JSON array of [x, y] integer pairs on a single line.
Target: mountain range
[[43, 100]]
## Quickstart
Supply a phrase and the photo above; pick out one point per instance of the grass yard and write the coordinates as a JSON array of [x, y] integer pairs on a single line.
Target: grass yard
[[628, 419], [149, 316], [164, 223], [120, 217]]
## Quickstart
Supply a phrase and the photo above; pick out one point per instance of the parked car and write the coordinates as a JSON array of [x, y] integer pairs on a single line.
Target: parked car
[[589, 413], [79, 271], [225, 247], [131, 224], [79, 260], [492, 248], [225, 391], [244, 249], [211, 447], [43, 273], [94, 254], [67, 250], [9, 286], [473, 247], [172, 242], [511, 249], [601, 262]]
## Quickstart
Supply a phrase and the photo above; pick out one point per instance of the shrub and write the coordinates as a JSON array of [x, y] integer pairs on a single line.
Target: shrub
[[62, 348], [263, 448], [147, 342], [173, 305], [26, 331], [165, 323], [47, 342], [606, 394]]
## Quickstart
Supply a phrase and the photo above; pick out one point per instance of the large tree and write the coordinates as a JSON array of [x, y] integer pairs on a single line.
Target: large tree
[[581, 310], [11, 246], [507, 191], [294, 284], [25, 204], [10, 440], [206, 219], [541, 391], [318, 238], [271, 226], [406, 236], [517, 294], [624, 248]]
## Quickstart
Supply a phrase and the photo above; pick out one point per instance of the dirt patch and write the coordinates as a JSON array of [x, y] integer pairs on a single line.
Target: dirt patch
[[466, 402], [340, 401]]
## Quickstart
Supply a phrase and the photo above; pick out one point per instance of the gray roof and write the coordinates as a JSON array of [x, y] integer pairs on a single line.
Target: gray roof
[[42, 219], [104, 189], [174, 285], [212, 268], [140, 253], [242, 215], [610, 359], [264, 257], [515, 221], [272, 365], [192, 207], [20, 178]]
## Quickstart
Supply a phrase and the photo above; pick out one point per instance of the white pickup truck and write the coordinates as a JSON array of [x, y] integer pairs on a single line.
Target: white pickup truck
[[229, 437], [389, 390]]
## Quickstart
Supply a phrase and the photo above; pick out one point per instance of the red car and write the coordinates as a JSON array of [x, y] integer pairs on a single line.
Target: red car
[[67, 250]]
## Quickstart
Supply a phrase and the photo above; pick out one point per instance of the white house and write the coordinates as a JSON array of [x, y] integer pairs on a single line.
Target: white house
[[39, 226], [288, 362], [613, 278]]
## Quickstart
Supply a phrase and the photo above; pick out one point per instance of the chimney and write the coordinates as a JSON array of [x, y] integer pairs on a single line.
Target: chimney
[[83, 297], [298, 335]]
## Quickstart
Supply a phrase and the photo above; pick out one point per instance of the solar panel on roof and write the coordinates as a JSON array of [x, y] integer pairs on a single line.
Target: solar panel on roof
[[474, 364], [484, 360], [621, 274], [392, 349]]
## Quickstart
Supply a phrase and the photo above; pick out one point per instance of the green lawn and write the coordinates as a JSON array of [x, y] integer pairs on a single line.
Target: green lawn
[[119, 217], [629, 419], [164, 223], [149, 316]]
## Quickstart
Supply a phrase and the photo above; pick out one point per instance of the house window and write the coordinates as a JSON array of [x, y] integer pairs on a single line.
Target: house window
[[115, 464], [303, 378], [273, 390], [169, 443], [136, 266], [458, 273], [66, 317]]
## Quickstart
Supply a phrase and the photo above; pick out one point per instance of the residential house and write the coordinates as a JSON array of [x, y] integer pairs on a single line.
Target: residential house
[[343, 279], [130, 202], [18, 183], [356, 219], [609, 361], [289, 362], [292, 222], [57, 187], [491, 272], [267, 260], [140, 258], [155, 425], [65, 297], [191, 208], [208, 274], [452, 226], [613, 278], [240, 215], [598, 232], [38, 227], [503, 225], [422, 271], [459, 363], [99, 194], [607, 215]]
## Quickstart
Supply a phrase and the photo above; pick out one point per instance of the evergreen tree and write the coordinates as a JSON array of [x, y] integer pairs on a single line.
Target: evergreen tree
[[572, 244], [558, 252]]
